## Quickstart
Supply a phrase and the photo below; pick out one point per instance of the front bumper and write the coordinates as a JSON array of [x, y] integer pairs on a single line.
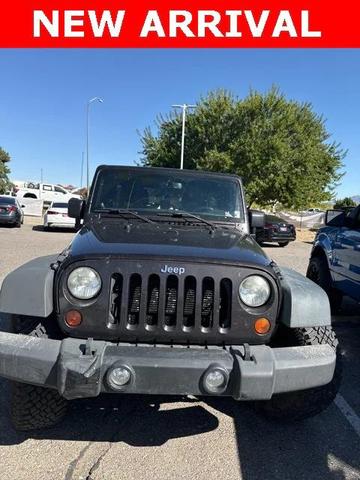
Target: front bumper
[[277, 237], [78, 368], [59, 222]]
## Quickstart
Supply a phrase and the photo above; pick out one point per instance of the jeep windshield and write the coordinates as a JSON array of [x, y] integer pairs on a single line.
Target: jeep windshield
[[157, 192]]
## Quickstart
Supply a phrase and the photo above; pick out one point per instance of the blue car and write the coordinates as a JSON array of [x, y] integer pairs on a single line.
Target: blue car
[[335, 257]]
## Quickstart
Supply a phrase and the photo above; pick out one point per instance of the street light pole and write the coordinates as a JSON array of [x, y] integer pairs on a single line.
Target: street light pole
[[184, 108], [92, 100], [82, 169]]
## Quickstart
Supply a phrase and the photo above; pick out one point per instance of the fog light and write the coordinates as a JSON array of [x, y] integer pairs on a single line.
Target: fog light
[[73, 318], [215, 380], [118, 377]]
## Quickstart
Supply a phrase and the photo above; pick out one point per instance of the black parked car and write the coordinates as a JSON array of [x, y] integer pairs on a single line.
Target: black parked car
[[276, 230], [10, 212]]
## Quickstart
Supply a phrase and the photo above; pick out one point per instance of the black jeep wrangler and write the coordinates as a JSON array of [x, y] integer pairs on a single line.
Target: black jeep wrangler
[[164, 291]]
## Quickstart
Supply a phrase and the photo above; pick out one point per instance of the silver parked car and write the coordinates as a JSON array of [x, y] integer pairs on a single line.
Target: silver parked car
[[11, 212]]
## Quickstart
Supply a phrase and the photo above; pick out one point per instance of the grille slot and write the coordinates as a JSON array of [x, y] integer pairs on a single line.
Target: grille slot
[[225, 304], [134, 301], [171, 301], [189, 303], [116, 288], [153, 293], [207, 304]]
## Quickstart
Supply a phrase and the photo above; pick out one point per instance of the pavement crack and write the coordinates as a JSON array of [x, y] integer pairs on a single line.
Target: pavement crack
[[73, 464], [111, 442], [97, 462]]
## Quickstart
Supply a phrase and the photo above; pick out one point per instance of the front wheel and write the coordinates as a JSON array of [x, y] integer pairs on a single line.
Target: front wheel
[[295, 406], [35, 407]]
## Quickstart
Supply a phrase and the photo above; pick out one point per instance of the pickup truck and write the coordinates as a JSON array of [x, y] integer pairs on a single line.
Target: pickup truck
[[335, 257], [45, 191]]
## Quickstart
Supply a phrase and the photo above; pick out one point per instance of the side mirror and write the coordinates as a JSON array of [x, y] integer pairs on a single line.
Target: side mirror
[[335, 218], [256, 219], [76, 208]]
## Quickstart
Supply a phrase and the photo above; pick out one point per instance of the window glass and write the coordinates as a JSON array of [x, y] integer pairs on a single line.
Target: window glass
[[204, 195], [274, 219], [32, 185], [59, 205], [7, 201], [47, 188]]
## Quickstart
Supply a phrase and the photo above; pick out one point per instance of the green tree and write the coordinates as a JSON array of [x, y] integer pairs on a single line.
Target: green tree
[[280, 147], [4, 171], [344, 202]]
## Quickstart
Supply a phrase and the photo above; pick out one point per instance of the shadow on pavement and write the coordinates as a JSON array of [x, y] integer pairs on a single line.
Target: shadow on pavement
[[270, 245], [136, 420], [41, 228]]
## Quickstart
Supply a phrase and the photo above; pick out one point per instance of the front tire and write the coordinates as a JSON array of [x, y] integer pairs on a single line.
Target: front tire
[[318, 272], [35, 407], [296, 406]]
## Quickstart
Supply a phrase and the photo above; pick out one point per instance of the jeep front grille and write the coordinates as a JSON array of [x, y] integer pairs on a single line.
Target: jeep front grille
[[145, 300], [170, 303]]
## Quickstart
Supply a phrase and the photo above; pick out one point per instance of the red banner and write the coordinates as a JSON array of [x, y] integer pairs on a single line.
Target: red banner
[[179, 23]]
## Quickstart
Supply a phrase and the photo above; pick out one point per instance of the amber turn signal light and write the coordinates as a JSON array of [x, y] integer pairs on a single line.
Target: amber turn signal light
[[73, 318], [262, 326]]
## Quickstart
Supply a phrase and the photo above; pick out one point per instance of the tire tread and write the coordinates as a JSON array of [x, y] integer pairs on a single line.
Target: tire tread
[[34, 407]]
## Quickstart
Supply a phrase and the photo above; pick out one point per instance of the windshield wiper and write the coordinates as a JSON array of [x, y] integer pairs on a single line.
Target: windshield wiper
[[185, 215], [123, 212]]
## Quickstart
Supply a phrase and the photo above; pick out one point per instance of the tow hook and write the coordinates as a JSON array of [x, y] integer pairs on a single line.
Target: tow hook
[[247, 357], [90, 352]]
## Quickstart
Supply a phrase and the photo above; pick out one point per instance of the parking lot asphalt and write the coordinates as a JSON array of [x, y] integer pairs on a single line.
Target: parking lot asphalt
[[164, 438]]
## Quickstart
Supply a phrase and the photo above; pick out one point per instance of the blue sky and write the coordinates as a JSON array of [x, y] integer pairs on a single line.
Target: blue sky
[[43, 94]]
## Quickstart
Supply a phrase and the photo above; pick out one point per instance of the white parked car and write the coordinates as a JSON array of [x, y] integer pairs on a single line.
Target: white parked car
[[57, 216], [45, 191], [314, 210]]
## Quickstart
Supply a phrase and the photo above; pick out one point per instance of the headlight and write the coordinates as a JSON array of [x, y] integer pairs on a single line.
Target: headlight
[[254, 291], [84, 283]]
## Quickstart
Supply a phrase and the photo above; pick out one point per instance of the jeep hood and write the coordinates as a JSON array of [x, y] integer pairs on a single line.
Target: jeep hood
[[111, 237]]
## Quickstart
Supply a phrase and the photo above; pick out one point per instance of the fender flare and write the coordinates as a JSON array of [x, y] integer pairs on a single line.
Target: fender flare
[[28, 290], [305, 304], [322, 244]]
